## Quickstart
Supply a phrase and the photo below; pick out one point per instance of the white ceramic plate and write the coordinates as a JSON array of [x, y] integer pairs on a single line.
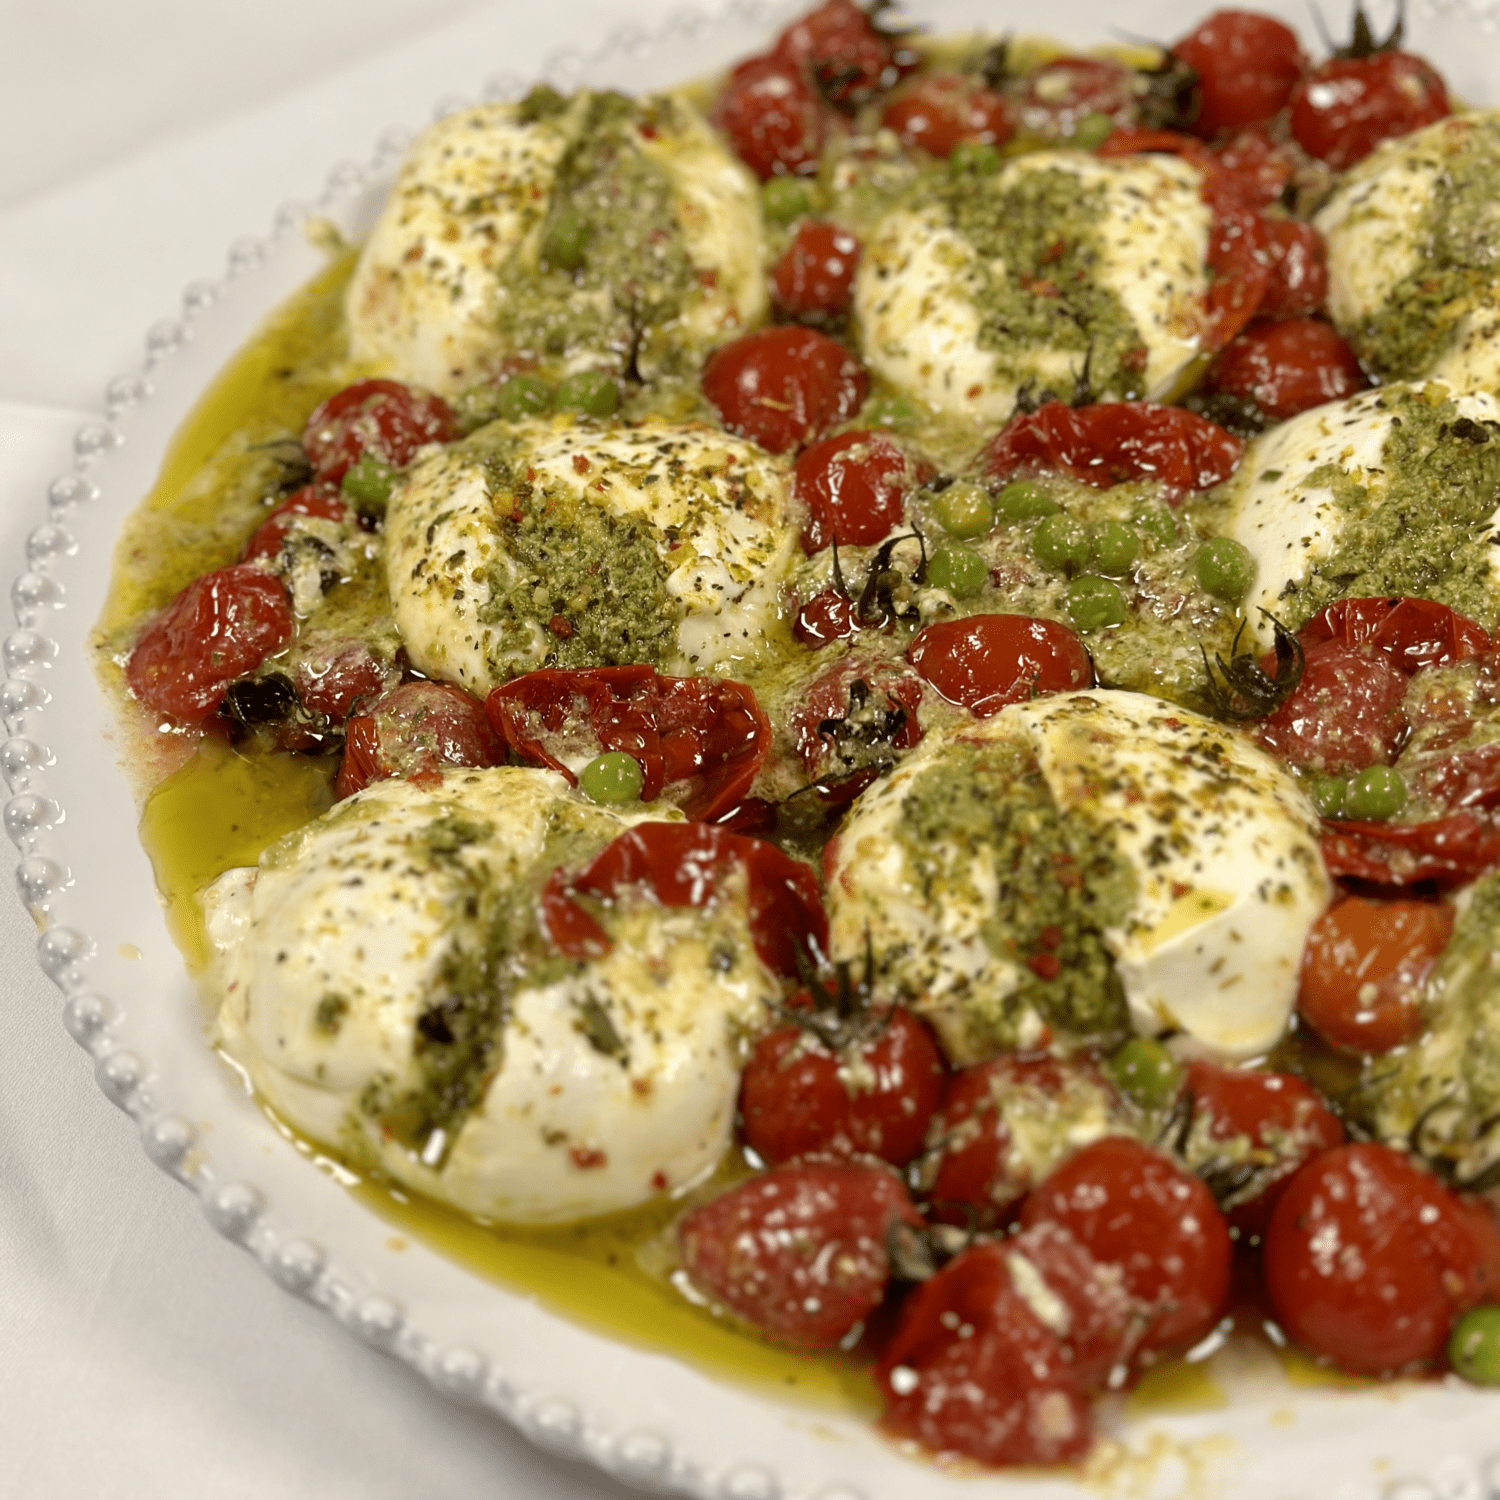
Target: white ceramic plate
[[651, 1420]]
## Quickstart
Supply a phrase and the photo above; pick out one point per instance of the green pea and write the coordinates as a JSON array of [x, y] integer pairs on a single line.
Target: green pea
[[784, 199], [1092, 130], [589, 391], [1096, 603], [1116, 546], [1329, 795], [1061, 541], [1156, 522], [959, 570], [1146, 1072], [976, 158], [1378, 792], [612, 778], [1021, 500], [369, 484], [566, 243], [524, 396], [963, 510], [1225, 568], [1474, 1347]]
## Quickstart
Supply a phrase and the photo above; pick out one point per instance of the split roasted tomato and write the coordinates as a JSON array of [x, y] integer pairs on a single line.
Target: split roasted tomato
[[1447, 851], [380, 419], [319, 501], [1284, 368], [987, 661], [858, 704], [940, 110], [1414, 633], [774, 117], [1347, 106], [219, 628], [705, 731], [1247, 65], [416, 731], [854, 488], [814, 278]]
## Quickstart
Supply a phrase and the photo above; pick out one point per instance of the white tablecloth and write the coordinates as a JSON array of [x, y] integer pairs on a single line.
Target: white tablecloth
[[141, 1355]]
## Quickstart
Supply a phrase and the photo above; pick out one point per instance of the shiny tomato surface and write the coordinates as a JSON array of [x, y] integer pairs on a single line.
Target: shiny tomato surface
[[1347, 106], [1247, 65], [415, 731], [854, 489], [379, 419], [987, 661], [814, 277], [1286, 368], [774, 117], [939, 110]]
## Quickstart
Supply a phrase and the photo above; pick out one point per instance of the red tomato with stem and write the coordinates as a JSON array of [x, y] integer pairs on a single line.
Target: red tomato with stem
[[1132, 1207], [854, 488], [320, 501], [800, 1251], [1298, 286], [784, 387], [380, 419], [1368, 1260], [815, 275], [1286, 368], [219, 628], [773, 117], [850, 58], [987, 661], [416, 731], [827, 616], [1247, 65], [1364, 967], [1347, 106], [939, 110]]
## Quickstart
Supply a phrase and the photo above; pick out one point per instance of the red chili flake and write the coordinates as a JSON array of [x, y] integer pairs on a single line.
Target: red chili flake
[[518, 515], [586, 1157], [1045, 965], [1041, 287], [1052, 937], [1179, 889], [973, 392], [560, 627], [1055, 251], [659, 1181], [581, 465]]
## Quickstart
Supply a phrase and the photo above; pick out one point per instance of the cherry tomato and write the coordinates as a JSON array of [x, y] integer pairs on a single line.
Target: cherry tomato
[[1346, 713], [1247, 64], [1261, 167], [382, 418], [1413, 633], [1464, 779], [685, 864], [856, 687], [1131, 1207], [1364, 967], [872, 1096], [773, 117], [971, 1369], [1113, 443], [414, 731], [334, 676], [218, 629], [987, 1154], [1285, 368], [1347, 106], [1060, 93], [1299, 271], [318, 500], [849, 57], [800, 1251], [1450, 850], [707, 732], [827, 616], [815, 275], [854, 487], [939, 110], [1368, 1260], [987, 661], [784, 387]]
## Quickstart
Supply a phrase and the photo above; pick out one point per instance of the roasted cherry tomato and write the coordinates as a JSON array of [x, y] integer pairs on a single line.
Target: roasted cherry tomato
[[987, 661], [971, 1369], [1346, 713], [320, 501], [784, 387], [986, 1153], [1463, 779], [1364, 967], [383, 419], [705, 731], [803, 1091], [1299, 271], [939, 110], [415, 731], [854, 487], [815, 275], [1284, 368], [219, 628], [773, 117], [335, 675], [1347, 106], [877, 699], [1447, 851], [827, 616], [1261, 167], [1368, 1260], [849, 57], [1413, 633], [1060, 93], [684, 864], [1114, 442], [1247, 65], [1132, 1207]]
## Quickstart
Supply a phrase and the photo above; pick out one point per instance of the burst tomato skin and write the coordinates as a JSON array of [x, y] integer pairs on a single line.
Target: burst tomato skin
[[831, 695], [220, 627], [814, 277], [784, 387], [319, 501], [381, 419], [335, 676], [939, 110], [1363, 969], [1368, 1260], [415, 731], [1288, 367], [854, 487], [874, 1098], [1298, 286], [1132, 1207], [1247, 65], [800, 1251], [985, 662], [971, 1369], [1346, 107], [773, 117]]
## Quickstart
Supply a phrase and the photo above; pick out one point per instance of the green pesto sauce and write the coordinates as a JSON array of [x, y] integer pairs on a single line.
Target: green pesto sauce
[[1060, 883], [1409, 332]]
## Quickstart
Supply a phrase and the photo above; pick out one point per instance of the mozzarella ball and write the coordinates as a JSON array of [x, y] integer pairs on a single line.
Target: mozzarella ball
[[596, 232], [944, 318], [1413, 237], [1078, 866], [387, 990], [573, 543]]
